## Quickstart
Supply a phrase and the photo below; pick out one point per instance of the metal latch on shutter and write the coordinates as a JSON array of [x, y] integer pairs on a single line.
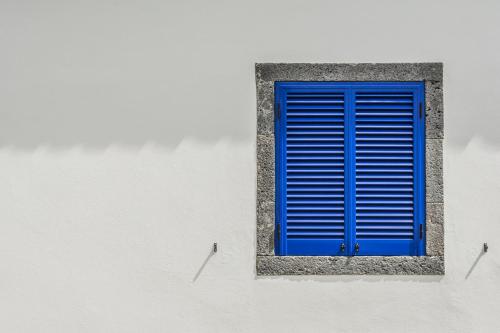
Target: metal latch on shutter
[[421, 231], [420, 110], [277, 110]]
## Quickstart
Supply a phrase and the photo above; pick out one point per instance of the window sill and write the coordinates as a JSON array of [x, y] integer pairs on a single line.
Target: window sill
[[372, 265]]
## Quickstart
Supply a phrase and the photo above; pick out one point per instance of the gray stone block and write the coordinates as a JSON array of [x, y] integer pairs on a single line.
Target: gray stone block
[[289, 265], [265, 229], [265, 195], [434, 170], [265, 168], [434, 118], [435, 229], [265, 107], [349, 72]]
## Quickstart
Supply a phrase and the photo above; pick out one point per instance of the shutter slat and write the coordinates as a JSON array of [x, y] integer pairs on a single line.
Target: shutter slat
[[315, 189], [388, 108], [294, 151], [319, 234], [294, 116], [313, 220], [371, 115], [314, 107], [383, 227], [314, 101], [305, 139], [314, 171], [315, 202], [308, 227], [306, 145], [315, 195]]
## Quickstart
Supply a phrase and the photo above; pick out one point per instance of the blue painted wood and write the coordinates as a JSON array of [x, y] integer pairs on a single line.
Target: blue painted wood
[[350, 171], [280, 161], [349, 168]]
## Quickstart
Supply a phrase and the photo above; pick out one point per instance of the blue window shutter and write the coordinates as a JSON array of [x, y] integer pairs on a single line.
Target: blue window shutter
[[349, 168], [389, 170], [310, 159]]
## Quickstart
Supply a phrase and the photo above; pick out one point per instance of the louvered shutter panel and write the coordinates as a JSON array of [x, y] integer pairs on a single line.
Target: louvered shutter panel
[[312, 162], [388, 163]]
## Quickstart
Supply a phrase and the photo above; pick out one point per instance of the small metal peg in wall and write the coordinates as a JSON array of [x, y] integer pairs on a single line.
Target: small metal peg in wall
[[485, 247], [215, 248]]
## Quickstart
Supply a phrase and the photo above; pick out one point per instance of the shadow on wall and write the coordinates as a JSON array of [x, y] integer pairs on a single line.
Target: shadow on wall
[[204, 263], [474, 264], [97, 114], [123, 107], [97, 103]]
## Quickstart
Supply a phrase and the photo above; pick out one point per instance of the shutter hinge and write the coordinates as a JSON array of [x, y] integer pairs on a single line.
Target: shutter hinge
[[420, 110], [278, 230], [421, 231], [278, 111]]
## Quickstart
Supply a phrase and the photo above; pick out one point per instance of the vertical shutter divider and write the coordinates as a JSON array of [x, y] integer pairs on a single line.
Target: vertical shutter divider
[[421, 195], [350, 173], [416, 169], [280, 176]]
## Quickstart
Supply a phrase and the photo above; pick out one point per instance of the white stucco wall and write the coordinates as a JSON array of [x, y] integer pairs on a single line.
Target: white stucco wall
[[127, 147]]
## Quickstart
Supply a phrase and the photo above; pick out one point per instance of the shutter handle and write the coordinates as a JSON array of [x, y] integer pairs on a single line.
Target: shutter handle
[[342, 247], [356, 247]]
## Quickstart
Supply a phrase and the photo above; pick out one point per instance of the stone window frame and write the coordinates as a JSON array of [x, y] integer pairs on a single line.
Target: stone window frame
[[267, 263]]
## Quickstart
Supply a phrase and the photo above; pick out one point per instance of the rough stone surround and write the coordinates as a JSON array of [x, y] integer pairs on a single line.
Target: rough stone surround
[[269, 264]]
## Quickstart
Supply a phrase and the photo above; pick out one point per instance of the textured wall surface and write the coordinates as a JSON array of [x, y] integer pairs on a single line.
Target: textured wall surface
[[127, 147]]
